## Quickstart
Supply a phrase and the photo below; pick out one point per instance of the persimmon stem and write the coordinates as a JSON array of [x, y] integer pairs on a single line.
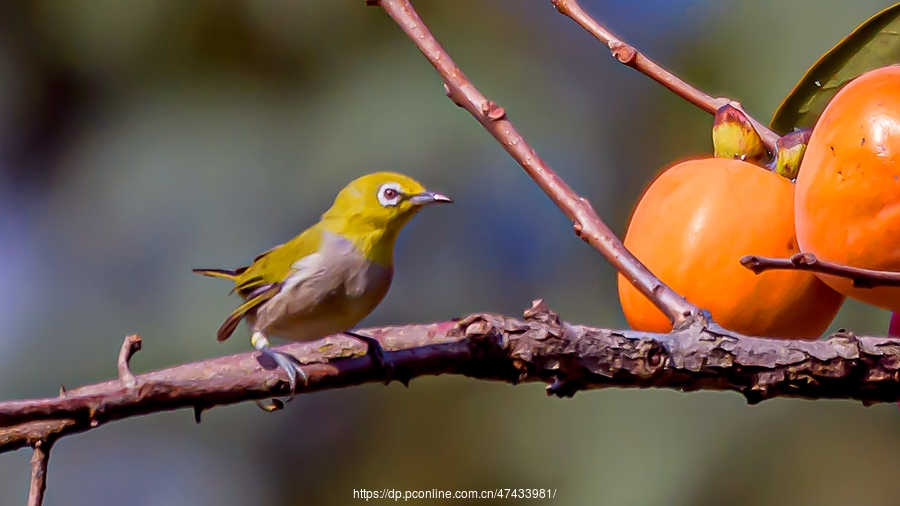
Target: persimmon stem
[[631, 57], [587, 224], [862, 278]]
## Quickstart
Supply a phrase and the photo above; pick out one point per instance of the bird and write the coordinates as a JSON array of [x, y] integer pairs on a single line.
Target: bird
[[332, 275]]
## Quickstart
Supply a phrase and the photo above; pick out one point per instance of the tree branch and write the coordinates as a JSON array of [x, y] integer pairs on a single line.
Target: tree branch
[[540, 348], [862, 278], [631, 57], [39, 460], [587, 224], [130, 346]]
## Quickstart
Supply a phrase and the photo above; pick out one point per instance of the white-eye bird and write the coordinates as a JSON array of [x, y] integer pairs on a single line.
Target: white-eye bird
[[328, 278]]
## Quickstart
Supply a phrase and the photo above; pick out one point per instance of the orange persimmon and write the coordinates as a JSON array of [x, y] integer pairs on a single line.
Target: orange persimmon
[[847, 207], [691, 228]]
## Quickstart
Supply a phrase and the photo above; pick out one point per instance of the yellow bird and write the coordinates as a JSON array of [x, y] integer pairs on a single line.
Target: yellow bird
[[328, 278]]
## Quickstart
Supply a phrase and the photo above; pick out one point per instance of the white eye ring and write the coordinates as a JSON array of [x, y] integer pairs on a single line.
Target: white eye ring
[[389, 194]]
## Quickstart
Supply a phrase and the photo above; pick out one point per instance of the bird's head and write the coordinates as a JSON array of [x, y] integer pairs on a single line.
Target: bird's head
[[380, 203]]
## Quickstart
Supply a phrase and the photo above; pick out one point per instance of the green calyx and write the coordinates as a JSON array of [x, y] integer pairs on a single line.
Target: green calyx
[[733, 136], [789, 150]]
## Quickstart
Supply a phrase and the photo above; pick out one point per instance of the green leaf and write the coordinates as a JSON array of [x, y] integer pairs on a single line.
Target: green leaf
[[874, 44]]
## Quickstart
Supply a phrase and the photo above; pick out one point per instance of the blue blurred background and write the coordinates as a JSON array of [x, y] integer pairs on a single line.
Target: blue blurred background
[[141, 139]]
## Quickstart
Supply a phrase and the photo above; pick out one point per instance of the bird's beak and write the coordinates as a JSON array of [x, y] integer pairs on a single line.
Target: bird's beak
[[426, 198]]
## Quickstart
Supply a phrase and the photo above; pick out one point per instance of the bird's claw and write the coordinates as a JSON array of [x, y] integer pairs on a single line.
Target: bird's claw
[[288, 365]]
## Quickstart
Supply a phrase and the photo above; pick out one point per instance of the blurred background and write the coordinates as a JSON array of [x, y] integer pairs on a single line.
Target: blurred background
[[141, 139]]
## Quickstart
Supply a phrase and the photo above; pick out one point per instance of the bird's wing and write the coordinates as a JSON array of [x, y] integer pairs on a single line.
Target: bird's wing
[[275, 265], [250, 305], [264, 278], [313, 278], [266, 252], [318, 283], [248, 287], [307, 288]]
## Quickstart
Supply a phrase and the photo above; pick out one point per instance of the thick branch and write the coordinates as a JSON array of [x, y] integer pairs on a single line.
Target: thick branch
[[633, 58], [862, 278], [588, 225], [539, 348]]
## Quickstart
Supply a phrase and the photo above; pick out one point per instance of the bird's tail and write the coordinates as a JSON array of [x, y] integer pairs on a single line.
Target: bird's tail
[[228, 274]]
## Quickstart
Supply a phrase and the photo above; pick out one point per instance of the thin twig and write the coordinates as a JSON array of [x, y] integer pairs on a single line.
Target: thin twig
[[862, 278], [631, 57], [587, 224], [130, 346], [39, 460]]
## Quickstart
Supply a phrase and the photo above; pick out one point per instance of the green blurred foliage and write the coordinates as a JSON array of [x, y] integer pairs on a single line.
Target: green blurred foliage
[[141, 139]]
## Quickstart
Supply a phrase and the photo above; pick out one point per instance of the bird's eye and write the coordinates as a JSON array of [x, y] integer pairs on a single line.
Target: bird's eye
[[389, 195]]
